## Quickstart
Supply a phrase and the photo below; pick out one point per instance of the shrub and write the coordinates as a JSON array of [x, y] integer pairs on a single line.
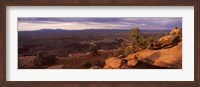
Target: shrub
[[43, 58], [135, 38], [149, 42], [122, 52], [128, 51], [98, 63], [138, 42], [94, 49], [117, 52], [87, 64]]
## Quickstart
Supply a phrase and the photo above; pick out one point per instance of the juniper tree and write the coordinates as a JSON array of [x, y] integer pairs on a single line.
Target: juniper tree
[[139, 42], [135, 38]]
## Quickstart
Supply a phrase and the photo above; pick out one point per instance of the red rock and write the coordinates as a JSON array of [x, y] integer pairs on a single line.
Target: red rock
[[132, 62], [56, 67], [113, 62]]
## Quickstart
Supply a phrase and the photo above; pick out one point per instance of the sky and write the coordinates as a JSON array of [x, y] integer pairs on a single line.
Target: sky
[[76, 23]]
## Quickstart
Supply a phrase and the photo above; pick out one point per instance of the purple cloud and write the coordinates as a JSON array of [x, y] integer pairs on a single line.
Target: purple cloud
[[117, 23]]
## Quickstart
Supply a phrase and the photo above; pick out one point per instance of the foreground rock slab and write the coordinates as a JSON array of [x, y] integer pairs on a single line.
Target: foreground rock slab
[[169, 58], [131, 60], [113, 63]]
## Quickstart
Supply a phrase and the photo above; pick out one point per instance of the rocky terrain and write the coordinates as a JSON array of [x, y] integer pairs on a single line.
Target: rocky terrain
[[167, 52], [109, 52]]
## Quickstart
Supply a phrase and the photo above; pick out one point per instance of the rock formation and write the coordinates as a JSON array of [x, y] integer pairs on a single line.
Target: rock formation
[[169, 58], [166, 52], [113, 63], [131, 60], [170, 40]]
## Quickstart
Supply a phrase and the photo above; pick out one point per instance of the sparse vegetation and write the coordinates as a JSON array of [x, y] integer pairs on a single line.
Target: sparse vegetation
[[139, 42], [135, 38], [94, 49], [149, 42], [128, 51], [43, 58], [98, 63], [123, 52], [112, 44], [87, 64], [118, 52]]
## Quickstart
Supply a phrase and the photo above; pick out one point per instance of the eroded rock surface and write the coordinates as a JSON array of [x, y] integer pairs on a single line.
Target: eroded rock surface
[[169, 58], [170, 40], [167, 52], [113, 63]]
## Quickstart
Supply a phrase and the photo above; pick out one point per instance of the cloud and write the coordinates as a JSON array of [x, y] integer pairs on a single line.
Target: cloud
[[99, 23]]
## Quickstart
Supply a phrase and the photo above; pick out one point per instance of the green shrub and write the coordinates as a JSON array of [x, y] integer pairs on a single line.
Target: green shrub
[[149, 42], [117, 52], [138, 42], [135, 38], [128, 51], [94, 49], [123, 52], [43, 58]]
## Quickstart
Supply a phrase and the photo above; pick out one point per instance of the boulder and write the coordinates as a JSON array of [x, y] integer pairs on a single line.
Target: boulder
[[56, 67], [170, 40], [107, 66], [167, 41], [175, 31], [169, 58], [130, 57], [113, 63], [132, 62]]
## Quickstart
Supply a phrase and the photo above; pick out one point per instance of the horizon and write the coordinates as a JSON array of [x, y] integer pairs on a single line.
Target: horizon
[[80, 23], [94, 29]]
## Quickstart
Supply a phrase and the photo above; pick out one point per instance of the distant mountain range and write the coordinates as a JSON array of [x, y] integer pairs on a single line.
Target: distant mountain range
[[100, 30]]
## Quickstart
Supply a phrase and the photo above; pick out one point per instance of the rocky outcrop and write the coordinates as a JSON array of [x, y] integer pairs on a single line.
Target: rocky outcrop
[[113, 63], [167, 52], [170, 58], [132, 62], [56, 67], [166, 42], [175, 31], [130, 57], [170, 40]]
